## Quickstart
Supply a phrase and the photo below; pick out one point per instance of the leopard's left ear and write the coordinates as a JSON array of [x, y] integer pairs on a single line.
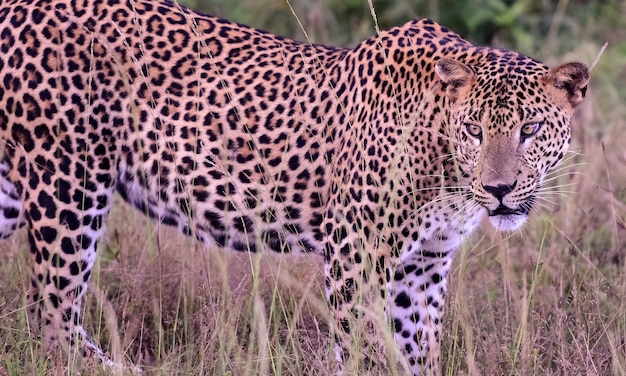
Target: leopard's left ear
[[571, 77]]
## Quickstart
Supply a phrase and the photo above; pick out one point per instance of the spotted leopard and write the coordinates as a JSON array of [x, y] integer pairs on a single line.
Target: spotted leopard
[[381, 158]]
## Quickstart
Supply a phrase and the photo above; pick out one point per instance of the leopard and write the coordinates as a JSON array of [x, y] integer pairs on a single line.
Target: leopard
[[381, 159]]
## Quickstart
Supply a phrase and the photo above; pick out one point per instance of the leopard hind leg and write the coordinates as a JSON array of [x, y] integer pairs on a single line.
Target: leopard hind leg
[[11, 208]]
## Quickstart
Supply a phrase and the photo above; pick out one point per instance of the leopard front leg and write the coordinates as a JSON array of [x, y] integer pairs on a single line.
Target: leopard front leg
[[416, 304], [64, 223], [356, 288]]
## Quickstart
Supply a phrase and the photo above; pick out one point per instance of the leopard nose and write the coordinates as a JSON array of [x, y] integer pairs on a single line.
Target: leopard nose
[[500, 190]]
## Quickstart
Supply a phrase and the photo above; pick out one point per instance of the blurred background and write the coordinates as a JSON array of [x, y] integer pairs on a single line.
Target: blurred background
[[528, 26]]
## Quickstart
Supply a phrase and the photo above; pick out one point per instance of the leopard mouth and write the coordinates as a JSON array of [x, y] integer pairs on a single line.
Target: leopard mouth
[[504, 218], [503, 210]]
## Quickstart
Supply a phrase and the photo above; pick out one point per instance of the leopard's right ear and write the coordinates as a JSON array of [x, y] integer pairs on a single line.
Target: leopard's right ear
[[456, 77]]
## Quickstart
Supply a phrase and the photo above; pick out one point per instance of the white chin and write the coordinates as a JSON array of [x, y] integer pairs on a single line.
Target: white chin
[[508, 222]]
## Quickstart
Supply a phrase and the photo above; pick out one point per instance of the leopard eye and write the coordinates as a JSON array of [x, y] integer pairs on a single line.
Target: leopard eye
[[529, 130], [474, 130]]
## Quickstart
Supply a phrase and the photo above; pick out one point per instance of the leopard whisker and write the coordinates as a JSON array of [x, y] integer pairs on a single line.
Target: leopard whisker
[[567, 167]]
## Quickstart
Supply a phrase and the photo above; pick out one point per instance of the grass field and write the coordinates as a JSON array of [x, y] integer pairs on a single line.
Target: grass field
[[547, 300]]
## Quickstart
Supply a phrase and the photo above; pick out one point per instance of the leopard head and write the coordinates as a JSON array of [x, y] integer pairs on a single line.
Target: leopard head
[[509, 119]]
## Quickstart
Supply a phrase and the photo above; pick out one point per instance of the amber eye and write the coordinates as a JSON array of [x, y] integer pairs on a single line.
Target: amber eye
[[529, 130], [474, 130]]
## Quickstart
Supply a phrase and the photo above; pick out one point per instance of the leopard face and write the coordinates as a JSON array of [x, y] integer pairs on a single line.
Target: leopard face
[[510, 122]]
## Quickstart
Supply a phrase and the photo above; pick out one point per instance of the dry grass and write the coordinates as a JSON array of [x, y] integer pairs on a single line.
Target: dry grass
[[214, 312], [549, 300]]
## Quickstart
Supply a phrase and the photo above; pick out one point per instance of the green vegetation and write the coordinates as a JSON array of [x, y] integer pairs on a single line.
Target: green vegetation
[[549, 300], [524, 25]]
